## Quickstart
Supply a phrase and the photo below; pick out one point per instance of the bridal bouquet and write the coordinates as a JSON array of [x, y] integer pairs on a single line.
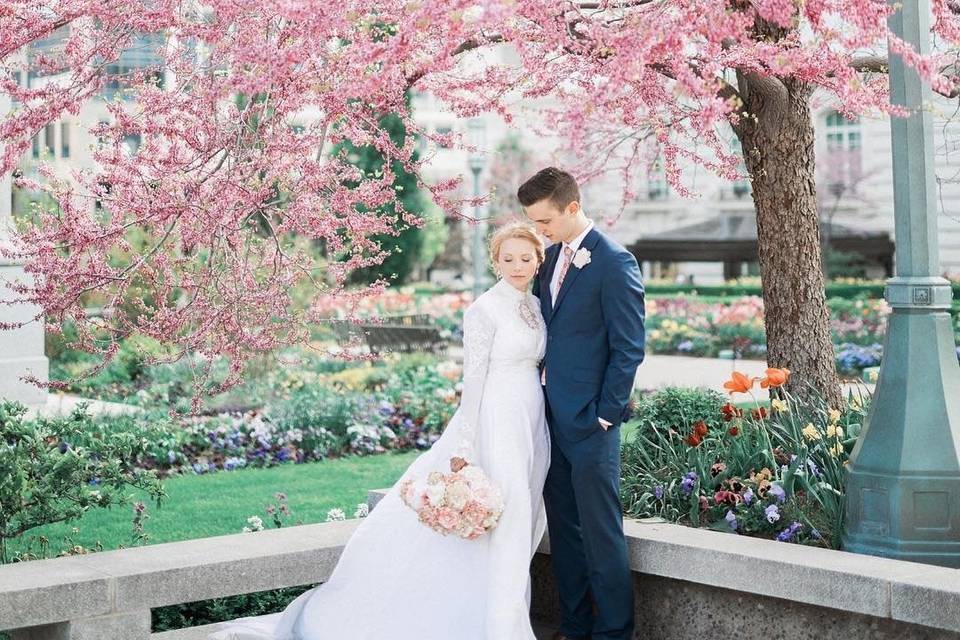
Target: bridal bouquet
[[463, 502]]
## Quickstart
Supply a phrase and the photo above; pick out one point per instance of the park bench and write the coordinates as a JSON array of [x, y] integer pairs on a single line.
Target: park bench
[[402, 334]]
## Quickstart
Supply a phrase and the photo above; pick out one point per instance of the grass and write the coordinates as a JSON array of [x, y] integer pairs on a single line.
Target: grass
[[220, 503]]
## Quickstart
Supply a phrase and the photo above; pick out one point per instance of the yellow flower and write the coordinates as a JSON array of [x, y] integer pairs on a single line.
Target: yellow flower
[[836, 449], [834, 415], [810, 432], [855, 404], [779, 406], [834, 431]]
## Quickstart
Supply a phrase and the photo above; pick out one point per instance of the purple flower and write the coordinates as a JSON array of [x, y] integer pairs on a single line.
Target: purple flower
[[815, 534], [772, 513], [688, 481], [731, 520], [748, 496], [658, 492], [790, 532], [814, 469], [685, 346], [778, 492]]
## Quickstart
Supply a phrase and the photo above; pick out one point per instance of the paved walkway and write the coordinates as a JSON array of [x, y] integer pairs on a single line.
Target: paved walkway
[[657, 372], [60, 404], [666, 371]]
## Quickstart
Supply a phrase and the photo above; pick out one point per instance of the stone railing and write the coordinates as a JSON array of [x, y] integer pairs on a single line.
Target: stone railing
[[108, 595], [689, 583]]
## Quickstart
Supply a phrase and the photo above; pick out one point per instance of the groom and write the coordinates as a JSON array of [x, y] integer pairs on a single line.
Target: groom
[[591, 297]]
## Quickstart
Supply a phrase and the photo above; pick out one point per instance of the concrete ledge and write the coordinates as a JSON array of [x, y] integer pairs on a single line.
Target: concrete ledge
[[48, 591], [908, 592], [879, 587], [816, 587]]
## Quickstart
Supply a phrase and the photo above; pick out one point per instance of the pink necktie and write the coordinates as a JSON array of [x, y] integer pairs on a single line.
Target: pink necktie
[[567, 259]]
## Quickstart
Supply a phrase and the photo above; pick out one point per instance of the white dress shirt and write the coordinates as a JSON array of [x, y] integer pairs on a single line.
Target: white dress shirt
[[574, 246]]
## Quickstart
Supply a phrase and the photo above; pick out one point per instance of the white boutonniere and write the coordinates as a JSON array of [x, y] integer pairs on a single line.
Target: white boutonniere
[[581, 258]]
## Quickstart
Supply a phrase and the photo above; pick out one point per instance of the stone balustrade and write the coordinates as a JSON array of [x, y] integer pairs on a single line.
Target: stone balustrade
[[689, 583]]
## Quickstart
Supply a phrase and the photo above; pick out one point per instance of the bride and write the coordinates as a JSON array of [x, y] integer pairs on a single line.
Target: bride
[[397, 579]]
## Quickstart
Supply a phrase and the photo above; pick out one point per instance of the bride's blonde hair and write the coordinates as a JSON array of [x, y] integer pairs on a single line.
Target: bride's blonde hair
[[520, 231]]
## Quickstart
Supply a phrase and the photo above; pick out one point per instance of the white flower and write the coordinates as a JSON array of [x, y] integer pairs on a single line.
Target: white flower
[[581, 258], [435, 493], [472, 474], [335, 515], [256, 524], [362, 510], [458, 495]]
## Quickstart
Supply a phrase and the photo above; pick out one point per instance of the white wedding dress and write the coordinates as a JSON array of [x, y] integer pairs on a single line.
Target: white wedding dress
[[397, 579]]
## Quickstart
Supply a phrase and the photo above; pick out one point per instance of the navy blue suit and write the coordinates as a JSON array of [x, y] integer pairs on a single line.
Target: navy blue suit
[[595, 341]]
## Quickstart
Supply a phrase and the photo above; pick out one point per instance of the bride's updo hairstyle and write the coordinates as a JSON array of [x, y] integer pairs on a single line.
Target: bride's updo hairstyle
[[521, 231]]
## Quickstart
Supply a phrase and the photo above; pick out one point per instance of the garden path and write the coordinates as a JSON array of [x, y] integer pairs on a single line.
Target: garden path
[[665, 371]]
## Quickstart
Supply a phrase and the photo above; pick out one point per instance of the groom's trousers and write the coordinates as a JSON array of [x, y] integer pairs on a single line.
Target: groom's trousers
[[587, 547]]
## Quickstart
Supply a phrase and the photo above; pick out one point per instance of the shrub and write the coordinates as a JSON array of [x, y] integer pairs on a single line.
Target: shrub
[[52, 470], [696, 460]]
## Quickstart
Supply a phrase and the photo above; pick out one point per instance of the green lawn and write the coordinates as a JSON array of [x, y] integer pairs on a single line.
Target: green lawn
[[220, 503]]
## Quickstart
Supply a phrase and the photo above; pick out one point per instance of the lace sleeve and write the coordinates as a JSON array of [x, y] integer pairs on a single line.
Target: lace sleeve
[[478, 332]]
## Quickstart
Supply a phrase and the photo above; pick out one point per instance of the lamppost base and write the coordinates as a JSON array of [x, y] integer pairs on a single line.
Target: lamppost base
[[913, 519], [903, 480]]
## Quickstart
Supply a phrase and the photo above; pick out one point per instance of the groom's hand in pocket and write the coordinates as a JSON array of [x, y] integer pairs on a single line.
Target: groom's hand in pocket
[[604, 424]]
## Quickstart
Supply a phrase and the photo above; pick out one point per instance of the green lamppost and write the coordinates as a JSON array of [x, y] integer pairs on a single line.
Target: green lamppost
[[903, 487]]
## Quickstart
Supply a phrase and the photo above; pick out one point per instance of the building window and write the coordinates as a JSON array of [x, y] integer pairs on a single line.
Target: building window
[[445, 131], [657, 186], [64, 139], [18, 78], [49, 133], [842, 161], [131, 142]]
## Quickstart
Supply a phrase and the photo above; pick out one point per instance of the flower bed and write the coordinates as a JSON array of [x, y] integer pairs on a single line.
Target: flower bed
[[359, 410], [690, 326], [770, 471]]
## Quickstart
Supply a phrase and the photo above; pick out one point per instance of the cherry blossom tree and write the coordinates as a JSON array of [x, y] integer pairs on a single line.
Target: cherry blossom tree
[[225, 189]]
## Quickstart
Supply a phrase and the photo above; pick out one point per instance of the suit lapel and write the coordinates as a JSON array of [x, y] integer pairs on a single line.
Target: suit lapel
[[589, 243]]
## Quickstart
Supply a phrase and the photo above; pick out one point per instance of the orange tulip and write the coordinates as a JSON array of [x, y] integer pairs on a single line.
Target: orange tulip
[[738, 383], [775, 378]]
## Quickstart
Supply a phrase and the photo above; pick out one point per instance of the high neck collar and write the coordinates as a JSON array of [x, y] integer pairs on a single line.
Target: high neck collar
[[507, 289]]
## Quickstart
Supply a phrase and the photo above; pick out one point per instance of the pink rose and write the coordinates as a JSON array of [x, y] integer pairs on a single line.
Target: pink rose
[[447, 518]]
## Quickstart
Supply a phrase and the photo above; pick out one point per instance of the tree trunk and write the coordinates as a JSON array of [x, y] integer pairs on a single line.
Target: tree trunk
[[778, 141]]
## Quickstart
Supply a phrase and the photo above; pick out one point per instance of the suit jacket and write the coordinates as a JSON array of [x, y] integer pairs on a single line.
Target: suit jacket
[[595, 336]]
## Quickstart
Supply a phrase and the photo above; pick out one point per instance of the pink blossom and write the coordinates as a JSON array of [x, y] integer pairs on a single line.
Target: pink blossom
[[448, 518]]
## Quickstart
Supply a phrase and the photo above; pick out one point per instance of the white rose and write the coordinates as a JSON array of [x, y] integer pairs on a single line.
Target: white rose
[[435, 493], [458, 495], [472, 474]]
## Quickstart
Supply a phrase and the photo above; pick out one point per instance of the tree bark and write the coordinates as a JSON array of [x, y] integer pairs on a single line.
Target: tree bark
[[776, 134]]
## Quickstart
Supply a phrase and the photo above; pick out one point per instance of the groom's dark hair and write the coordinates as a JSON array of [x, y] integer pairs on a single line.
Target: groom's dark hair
[[552, 184]]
